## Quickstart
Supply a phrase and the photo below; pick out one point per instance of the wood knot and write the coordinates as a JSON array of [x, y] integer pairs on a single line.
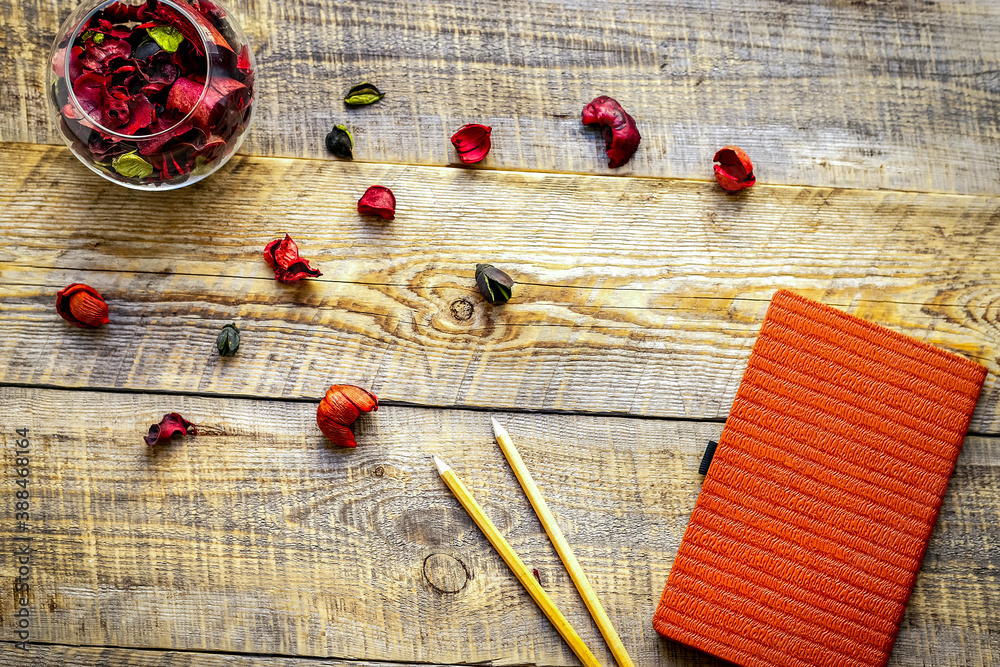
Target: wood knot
[[379, 471], [445, 574], [462, 309]]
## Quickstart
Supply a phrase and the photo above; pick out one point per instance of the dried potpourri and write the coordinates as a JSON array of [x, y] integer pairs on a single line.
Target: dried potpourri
[[154, 93], [735, 169], [82, 306], [621, 136], [282, 255], [228, 341], [171, 424], [340, 408], [472, 142], [495, 285], [340, 142], [362, 95], [378, 200]]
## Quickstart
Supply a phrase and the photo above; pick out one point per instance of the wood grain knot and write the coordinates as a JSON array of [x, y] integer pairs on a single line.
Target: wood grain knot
[[445, 574], [462, 309], [379, 471]]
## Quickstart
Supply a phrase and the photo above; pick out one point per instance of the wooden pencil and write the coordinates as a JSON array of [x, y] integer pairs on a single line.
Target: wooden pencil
[[565, 552], [516, 565]]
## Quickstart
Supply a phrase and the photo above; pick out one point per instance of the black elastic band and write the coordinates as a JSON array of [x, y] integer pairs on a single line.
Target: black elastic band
[[706, 460]]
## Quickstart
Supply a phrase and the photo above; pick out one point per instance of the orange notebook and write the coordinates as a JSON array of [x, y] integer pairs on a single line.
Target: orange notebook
[[814, 516]]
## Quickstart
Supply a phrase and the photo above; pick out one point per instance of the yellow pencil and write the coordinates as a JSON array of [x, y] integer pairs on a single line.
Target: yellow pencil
[[515, 564], [576, 572]]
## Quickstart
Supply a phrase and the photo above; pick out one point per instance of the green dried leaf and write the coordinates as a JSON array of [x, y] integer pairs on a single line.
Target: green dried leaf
[[228, 341], [202, 166], [362, 95], [97, 37], [495, 285], [131, 165], [168, 38], [340, 142]]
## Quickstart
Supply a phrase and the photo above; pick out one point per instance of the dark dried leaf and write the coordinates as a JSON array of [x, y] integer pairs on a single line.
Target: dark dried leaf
[[228, 341], [495, 285], [340, 142]]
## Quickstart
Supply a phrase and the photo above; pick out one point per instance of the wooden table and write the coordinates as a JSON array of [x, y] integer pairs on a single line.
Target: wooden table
[[874, 130]]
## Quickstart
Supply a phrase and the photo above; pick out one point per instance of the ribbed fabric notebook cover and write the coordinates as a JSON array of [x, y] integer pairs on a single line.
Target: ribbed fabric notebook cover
[[811, 524]]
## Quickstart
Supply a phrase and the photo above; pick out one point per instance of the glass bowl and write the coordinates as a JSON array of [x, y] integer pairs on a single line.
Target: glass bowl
[[152, 94]]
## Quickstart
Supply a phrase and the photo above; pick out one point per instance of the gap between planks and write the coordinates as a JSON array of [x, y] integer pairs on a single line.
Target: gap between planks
[[400, 404], [272, 659]]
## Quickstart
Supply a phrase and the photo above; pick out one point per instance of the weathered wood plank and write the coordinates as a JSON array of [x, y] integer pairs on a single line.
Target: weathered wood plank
[[636, 296], [831, 92], [257, 536]]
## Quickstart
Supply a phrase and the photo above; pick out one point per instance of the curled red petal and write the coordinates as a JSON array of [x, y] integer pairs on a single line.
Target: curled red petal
[[735, 170], [167, 125], [91, 90], [119, 12], [140, 114], [338, 433], [105, 27], [243, 59], [340, 408], [297, 271], [184, 96], [98, 57], [171, 424], [378, 200], [621, 136], [221, 94], [159, 68], [82, 306], [472, 142], [282, 255], [362, 399]]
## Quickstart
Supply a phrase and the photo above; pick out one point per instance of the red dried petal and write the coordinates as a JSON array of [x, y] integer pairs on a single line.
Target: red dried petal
[[362, 399], [735, 170], [341, 406], [170, 130], [472, 142], [378, 200], [105, 26], [243, 59], [119, 12], [82, 306], [169, 426], [184, 95], [296, 272], [282, 255], [222, 93], [159, 68], [140, 114], [97, 57], [621, 136], [91, 90]]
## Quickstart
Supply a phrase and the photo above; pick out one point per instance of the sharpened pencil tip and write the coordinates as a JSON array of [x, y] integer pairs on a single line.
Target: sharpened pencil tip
[[442, 466], [498, 430]]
